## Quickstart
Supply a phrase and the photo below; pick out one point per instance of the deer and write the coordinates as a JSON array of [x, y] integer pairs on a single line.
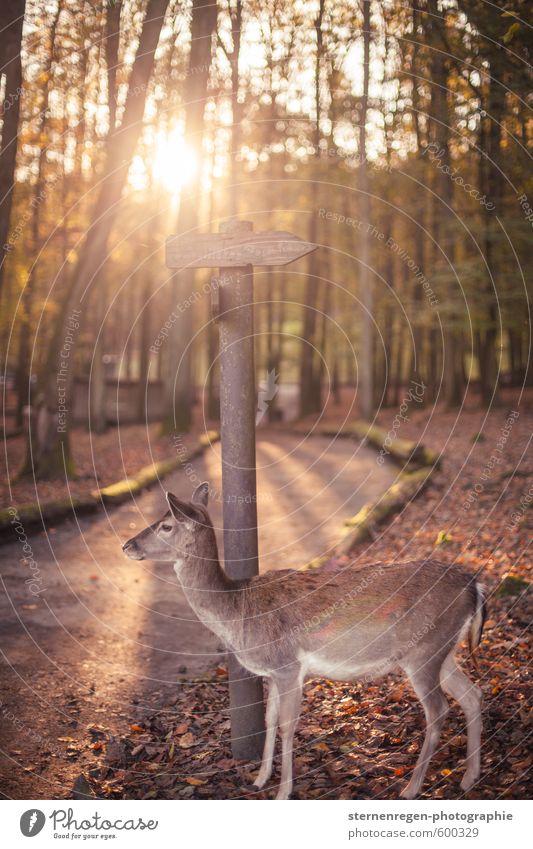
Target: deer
[[359, 622]]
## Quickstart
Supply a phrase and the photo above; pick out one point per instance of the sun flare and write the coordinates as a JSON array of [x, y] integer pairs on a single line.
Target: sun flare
[[174, 162]]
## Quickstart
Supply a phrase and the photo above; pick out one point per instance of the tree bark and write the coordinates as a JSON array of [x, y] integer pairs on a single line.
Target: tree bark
[[442, 205], [178, 388], [236, 108], [310, 389], [49, 452], [39, 197], [98, 380], [112, 41], [11, 21], [366, 295]]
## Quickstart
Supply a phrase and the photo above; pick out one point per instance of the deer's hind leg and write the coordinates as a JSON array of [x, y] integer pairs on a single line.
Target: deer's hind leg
[[290, 700], [426, 684], [460, 687], [272, 716]]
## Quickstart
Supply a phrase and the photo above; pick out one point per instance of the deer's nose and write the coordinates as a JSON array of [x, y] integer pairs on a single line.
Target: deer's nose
[[132, 550]]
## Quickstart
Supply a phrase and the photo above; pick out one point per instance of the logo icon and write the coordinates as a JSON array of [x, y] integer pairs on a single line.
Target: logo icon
[[32, 822]]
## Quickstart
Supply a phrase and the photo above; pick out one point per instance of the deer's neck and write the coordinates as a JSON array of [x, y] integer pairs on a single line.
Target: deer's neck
[[212, 595]]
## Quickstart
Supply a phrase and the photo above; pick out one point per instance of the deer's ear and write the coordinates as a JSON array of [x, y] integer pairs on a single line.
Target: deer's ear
[[201, 494], [181, 510]]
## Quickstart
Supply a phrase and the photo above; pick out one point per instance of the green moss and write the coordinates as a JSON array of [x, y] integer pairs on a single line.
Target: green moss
[[47, 511], [117, 492], [512, 585], [359, 527], [403, 451]]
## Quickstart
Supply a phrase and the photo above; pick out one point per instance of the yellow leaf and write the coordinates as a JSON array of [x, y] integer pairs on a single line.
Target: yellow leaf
[[186, 741], [196, 782], [443, 537]]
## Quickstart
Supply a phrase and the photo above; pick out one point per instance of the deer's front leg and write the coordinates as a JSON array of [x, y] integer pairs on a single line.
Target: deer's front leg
[[289, 710], [272, 715]]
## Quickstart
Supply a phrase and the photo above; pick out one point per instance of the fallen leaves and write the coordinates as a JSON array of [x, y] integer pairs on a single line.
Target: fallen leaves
[[359, 740], [186, 741], [443, 537]]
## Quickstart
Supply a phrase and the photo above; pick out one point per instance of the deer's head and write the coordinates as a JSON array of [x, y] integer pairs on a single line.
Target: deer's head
[[177, 533]]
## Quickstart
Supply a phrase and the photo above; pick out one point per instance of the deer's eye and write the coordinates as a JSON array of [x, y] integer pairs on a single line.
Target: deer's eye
[[165, 527]]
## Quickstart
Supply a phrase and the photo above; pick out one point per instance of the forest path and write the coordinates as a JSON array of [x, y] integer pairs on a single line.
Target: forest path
[[107, 637]]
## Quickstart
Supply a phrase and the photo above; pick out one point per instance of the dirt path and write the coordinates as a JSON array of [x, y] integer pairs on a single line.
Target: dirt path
[[105, 638]]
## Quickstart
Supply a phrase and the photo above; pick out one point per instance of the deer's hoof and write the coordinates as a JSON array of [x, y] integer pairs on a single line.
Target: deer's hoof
[[260, 781], [409, 792], [469, 779], [284, 791]]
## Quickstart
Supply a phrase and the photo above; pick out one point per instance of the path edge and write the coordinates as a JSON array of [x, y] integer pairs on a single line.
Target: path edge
[[419, 464], [34, 514]]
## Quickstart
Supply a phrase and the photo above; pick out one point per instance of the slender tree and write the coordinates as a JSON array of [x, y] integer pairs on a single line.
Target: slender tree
[[310, 389], [178, 388], [366, 348], [11, 21], [49, 453]]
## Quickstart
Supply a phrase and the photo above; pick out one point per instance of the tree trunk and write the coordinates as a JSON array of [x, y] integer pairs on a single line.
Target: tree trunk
[[97, 380], [442, 205], [236, 108], [39, 198], [366, 295], [112, 41], [49, 455], [11, 21], [144, 346], [491, 185], [310, 389], [178, 388]]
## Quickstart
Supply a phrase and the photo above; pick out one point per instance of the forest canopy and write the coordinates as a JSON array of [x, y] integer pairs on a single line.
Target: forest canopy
[[395, 136]]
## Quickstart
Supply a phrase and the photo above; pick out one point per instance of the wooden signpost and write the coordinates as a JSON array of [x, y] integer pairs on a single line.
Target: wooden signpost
[[235, 250], [236, 246]]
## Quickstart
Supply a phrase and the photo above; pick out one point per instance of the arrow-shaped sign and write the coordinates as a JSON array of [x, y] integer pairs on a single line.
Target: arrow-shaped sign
[[229, 250]]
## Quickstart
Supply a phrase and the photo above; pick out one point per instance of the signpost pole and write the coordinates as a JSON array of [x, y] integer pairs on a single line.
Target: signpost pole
[[235, 250], [237, 432]]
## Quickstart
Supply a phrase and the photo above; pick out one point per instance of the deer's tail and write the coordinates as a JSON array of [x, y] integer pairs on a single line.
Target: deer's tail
[[478, 619]]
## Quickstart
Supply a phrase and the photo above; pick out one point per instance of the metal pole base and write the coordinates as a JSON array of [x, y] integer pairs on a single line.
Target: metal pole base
[[246, 712]]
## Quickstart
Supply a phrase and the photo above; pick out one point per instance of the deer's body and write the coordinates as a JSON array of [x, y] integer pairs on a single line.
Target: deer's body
[[359, 623]]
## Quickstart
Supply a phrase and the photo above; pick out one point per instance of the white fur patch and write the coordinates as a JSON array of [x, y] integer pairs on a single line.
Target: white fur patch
[[177, 566]]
